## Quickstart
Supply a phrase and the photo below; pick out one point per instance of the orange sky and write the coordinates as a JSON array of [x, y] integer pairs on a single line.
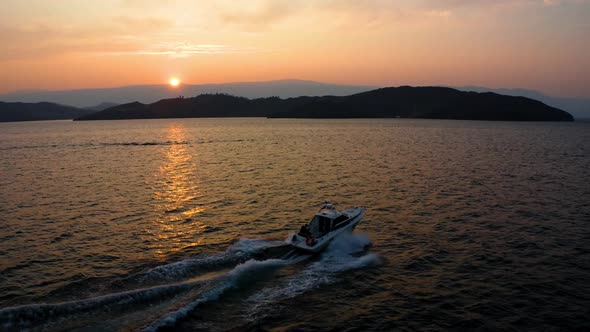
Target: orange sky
[[68, 44]]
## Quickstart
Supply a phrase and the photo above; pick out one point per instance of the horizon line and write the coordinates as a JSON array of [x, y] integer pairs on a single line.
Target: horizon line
[[33, 91]]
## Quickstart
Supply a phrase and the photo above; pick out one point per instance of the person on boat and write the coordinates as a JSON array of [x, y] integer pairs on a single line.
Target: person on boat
[[304, 231], [310, 241]]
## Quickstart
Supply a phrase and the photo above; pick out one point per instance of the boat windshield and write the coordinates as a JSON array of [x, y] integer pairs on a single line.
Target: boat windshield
[[320, 225], [341, 221]]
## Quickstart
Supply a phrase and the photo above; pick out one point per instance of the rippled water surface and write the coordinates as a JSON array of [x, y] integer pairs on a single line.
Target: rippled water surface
[[180, 224]]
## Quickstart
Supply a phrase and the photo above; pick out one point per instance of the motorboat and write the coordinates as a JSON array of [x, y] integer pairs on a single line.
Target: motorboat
[[327, 224]]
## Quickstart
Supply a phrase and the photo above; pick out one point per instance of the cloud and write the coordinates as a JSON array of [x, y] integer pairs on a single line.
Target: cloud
[[142, 4], [439, 13], [498, 3], [257, 14], [261, 15], [115, 34], [140, 25], [178, 50]]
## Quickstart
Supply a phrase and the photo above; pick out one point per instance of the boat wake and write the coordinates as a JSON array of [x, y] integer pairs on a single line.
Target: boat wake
[[344, 253], [239, 252], [161, 296]]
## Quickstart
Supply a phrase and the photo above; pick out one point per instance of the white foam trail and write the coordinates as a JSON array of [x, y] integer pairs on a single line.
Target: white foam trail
[[27, 315], [180, 268], [248, 246], [233, 279], [349, 243], [337, 258], [34, 314], [239, 251]]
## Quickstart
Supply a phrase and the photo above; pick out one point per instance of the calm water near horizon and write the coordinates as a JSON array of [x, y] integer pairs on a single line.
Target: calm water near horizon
[[180, 224]]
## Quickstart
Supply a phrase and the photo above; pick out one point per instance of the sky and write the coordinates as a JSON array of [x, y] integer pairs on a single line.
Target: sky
[[73, 44]]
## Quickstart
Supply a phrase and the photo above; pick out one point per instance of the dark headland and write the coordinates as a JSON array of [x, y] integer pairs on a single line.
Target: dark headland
[[401, 102], [10, 112]]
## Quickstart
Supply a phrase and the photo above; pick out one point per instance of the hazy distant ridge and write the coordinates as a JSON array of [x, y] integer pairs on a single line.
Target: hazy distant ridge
[[404, 102], [153, 93], [10, 112]]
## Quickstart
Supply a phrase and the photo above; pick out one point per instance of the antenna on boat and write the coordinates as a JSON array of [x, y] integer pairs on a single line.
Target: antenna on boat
[[327, 205]]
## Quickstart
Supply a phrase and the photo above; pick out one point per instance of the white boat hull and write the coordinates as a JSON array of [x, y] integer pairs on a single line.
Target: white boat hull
[[320, 243]]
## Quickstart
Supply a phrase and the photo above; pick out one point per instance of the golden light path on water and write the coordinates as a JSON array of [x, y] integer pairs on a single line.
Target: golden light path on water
[[175, 197]]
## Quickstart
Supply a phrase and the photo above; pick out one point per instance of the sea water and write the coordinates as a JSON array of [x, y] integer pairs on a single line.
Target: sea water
[[181, 225]]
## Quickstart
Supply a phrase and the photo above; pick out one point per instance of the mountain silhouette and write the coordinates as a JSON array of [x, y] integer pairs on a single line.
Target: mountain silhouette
[[401, 102], [101, 106], [289, 88], [578, 107]]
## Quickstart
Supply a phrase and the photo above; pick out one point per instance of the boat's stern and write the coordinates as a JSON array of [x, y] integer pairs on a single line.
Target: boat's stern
[[308, 244]]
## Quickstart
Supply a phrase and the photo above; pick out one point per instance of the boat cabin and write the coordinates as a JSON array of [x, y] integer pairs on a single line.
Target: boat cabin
[[325, 221]]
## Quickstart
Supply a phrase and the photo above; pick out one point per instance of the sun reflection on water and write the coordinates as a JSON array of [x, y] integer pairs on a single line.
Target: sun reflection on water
[[176, 194]]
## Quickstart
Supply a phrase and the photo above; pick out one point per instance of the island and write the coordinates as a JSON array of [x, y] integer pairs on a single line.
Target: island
[[392, 102]]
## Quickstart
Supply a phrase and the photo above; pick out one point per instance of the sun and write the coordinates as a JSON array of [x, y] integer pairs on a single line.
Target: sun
[[174, 82]]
